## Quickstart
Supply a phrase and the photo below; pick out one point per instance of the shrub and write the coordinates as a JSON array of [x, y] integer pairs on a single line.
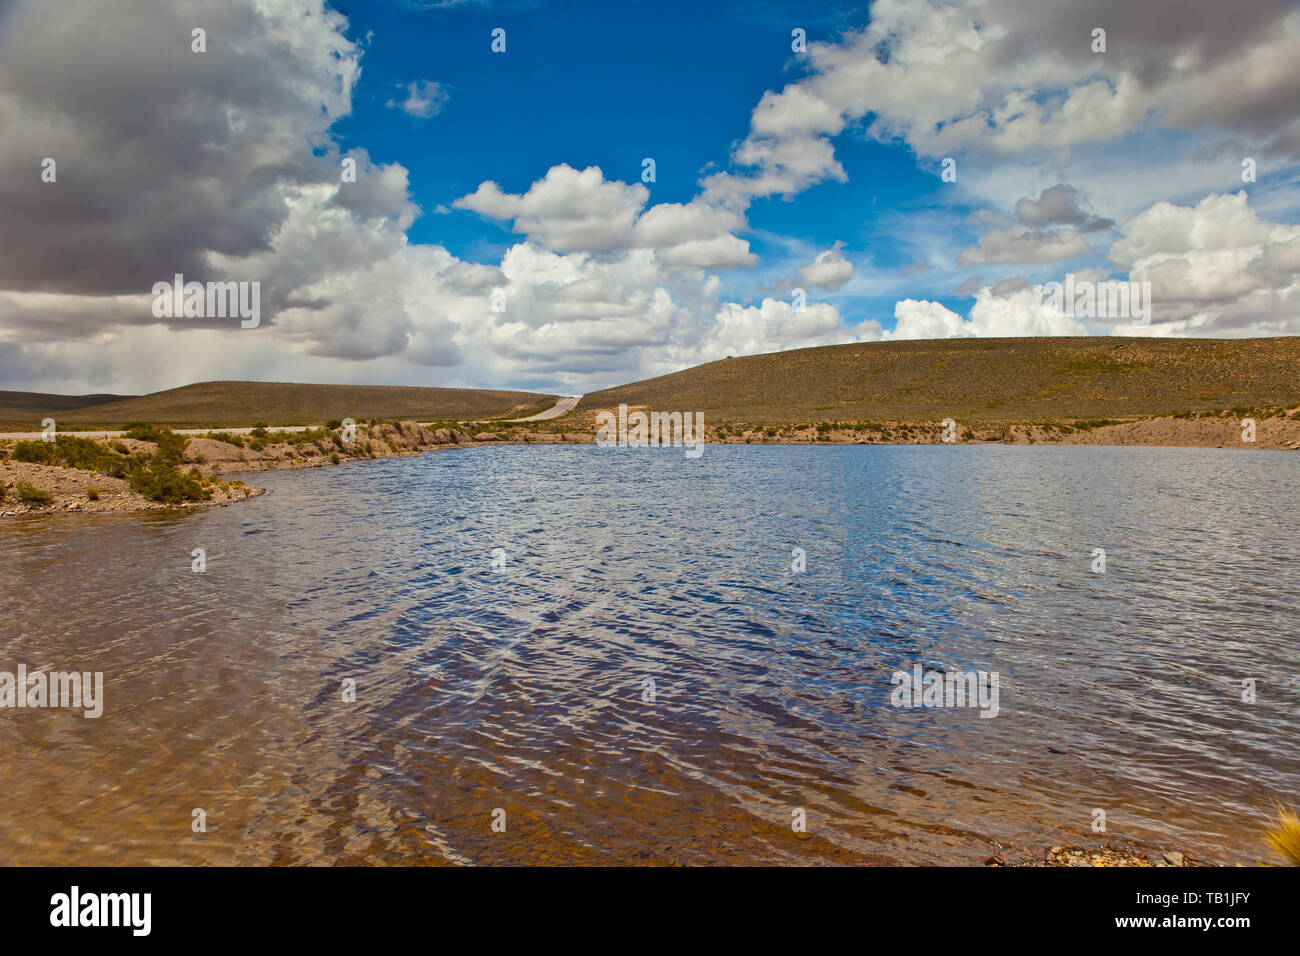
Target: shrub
[[333, 423], [159, 481], [32, 496], [92, 493], [170, 445], [141, 431], [69, 452], [259, 430], [334, 458]]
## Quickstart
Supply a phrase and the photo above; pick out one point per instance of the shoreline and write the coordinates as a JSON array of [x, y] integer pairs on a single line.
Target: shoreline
[[213, 457]]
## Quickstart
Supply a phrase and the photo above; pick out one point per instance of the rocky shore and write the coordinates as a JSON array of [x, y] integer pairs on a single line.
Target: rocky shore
[[28, 487], [38, 487], [1105, 855]]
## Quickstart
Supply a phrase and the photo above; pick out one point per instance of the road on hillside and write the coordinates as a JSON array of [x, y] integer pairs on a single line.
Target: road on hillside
[[560, 407], [555, 411]]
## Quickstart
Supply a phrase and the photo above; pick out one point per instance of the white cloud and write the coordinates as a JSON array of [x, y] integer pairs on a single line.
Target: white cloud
[[694, 235], [566, 210], [775, 325], [424, 99], [829, 270], [1008, 78], [1214, 268], [1016, 313], [1024, 245]]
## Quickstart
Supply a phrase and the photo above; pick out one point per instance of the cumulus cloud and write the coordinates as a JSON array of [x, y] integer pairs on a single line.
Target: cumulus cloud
[[1016, 313], [154, 175], [1010, 77], [567, 210], [774, 325], [694, 235], [1024, 245], [1059, 205], [581, 211], [1214, 268], [829, 270]]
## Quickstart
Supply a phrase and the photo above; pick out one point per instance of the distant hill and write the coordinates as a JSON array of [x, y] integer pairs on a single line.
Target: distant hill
[[19, 406], [211, 404], [972, 380], [977, 380]]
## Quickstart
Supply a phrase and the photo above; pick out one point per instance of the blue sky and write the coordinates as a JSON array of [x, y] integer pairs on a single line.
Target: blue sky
[[498, 233], [595, 84]]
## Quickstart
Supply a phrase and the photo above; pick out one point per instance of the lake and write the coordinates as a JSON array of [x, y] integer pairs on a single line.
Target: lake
[[606, 654]]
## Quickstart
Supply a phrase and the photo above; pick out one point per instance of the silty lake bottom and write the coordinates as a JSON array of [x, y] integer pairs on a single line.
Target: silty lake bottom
[[525, 689]]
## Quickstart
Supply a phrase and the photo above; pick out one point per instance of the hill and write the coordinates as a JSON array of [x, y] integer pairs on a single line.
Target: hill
[[21, 406], [977, 380], [214, 404]]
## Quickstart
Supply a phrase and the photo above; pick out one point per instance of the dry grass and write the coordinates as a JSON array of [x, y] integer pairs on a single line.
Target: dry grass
[[217, 404], [978, 381], [1285, 835], [22, 406]]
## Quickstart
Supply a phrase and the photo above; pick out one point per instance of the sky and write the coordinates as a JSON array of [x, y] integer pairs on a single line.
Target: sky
[[618, 191]]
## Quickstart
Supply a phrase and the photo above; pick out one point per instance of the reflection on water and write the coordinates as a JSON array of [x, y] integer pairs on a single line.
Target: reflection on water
[[523, 689]]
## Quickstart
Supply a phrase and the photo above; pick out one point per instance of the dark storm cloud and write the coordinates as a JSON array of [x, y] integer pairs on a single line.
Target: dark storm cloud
[[1158, 42], [167, 157]]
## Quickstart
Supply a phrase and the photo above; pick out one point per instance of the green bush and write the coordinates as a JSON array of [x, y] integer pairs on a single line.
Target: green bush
[[158, 480], [170, 445], [69, 452], [33, 496], [155, 477], [141, 431]]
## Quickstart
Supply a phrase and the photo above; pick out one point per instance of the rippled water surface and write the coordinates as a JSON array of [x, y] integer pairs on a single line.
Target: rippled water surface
[[525, 689]]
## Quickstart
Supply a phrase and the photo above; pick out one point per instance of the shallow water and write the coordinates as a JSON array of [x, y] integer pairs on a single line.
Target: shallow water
[[523, 689]]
